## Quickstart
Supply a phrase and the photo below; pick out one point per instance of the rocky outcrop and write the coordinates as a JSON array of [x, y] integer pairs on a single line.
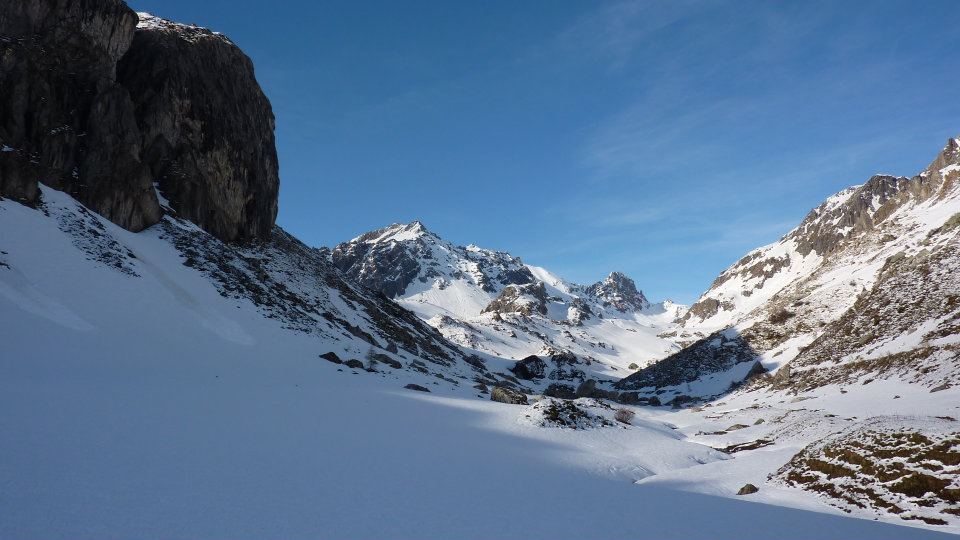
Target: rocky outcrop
[[559, 390], [508, 396], [586, 388], [563, 368], [889, 466], [206, 127], [619, 291], [530, 368], [916, 302], [713, 354], [64, 119], [580, 414], [380, 264], [524, 299], [101, 105]]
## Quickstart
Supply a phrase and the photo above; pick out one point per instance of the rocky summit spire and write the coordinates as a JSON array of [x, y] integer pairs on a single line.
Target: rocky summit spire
[[417, 226], [619, 291]]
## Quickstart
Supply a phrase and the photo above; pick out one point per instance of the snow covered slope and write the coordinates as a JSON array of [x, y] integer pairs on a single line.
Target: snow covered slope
[[491, 302], [163, 384], [176, 266], [864, 287]]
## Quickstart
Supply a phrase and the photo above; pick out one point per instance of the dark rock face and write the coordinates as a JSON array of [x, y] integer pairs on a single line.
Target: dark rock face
[[531, 367], [717, 352], [619, 291], [565, 367], [94, 105], [64, 119], [747, 489], [385, 359], [682, 400], [507, 395], [417, 387], [562, 391], [206, 127], [821, 230], [388, 267], [331, 357], [852, 469], [586, 388], [707, 307]]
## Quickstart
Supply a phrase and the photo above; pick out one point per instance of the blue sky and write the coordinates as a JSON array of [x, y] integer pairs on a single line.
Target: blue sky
[[661, 139]]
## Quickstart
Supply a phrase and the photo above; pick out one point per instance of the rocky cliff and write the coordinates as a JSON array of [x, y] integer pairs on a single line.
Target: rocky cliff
[[102, 105], [206, 127], [64, 118]]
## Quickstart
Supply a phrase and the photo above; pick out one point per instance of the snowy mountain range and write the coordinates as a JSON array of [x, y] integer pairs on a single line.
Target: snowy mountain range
[[175, 365], [490, 302]]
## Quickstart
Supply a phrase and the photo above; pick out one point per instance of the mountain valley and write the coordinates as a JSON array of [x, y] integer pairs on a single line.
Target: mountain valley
[[175, 364]]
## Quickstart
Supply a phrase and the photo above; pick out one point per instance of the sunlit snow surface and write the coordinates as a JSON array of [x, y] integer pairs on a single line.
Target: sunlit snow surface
[[144, 404]]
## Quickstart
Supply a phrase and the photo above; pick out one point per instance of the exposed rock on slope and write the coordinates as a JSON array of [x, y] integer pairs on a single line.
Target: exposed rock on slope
[[907, 467], [854, 222], [561, 367], [64, 119], [907, 326], [289, 285], [524, 299], [718, 352], [206, 126], [864, 287]]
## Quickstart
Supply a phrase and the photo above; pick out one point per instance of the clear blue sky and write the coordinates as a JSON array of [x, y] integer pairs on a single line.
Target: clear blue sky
[[661, 139]]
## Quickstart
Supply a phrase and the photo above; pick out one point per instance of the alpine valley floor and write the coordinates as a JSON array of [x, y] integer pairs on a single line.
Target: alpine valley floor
[[153, 406]]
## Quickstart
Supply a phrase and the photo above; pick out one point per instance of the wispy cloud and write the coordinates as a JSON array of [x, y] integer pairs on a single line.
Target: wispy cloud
[[614, 32]]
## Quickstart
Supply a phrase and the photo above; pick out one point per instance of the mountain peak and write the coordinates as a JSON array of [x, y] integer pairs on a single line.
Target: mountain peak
[[618, 277], [396, 232], [416, 225], [619, 291]]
